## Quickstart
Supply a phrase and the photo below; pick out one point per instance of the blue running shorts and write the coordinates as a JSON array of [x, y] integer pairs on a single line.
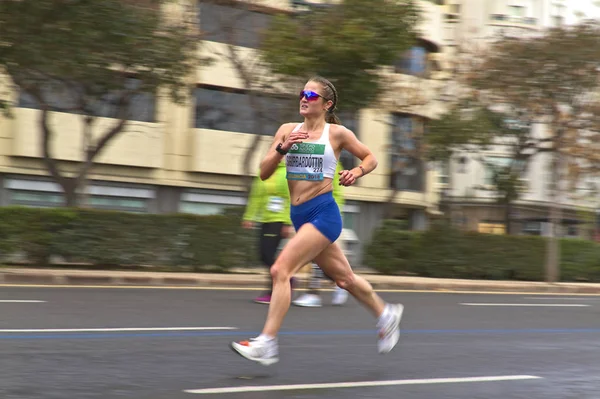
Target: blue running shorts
[[323, 212]]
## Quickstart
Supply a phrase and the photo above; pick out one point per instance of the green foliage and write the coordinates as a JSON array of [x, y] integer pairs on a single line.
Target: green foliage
[[465, 127], [346, 43], [508, 183], [470, 126], [550, 79], [87, 48], [80, 57], [5, 108], [111, 239], [532, 75], [32, 231], [444, 252], [392, 248], [547, 79]]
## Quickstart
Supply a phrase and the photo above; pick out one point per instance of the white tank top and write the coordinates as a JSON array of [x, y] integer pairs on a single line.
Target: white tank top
[[311, 160]]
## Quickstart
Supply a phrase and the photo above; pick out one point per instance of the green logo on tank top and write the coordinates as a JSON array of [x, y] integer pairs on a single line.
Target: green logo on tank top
[[308, 149]]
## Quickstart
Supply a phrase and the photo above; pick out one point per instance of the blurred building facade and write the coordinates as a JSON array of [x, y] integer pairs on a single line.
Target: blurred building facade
[[189, 157], [466, 182]]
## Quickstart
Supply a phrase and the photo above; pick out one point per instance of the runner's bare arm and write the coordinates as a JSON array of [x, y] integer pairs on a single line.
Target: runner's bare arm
[[350, 142], [269, 163], [284, 136]]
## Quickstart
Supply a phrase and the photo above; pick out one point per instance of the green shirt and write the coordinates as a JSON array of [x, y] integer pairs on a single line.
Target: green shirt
[[269, 200], [338, 191]]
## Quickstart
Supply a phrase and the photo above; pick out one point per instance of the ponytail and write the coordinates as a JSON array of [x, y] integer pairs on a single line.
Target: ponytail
[[330, 94], [332, 118]]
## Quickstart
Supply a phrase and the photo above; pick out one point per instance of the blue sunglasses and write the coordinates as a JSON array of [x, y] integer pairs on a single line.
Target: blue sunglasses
[[310, 95]]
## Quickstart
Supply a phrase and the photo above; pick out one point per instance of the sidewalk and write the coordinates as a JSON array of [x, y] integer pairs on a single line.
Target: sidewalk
[[256, 278]]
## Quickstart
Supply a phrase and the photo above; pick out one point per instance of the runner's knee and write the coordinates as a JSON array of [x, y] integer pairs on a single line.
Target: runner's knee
[[280, 273], [347, 281]]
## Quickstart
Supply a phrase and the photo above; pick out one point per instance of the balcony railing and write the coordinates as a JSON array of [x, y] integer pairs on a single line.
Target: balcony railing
[[511, 19]]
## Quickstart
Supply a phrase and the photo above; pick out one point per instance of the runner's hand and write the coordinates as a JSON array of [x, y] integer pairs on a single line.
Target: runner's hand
[[294, 138], [347, 178]]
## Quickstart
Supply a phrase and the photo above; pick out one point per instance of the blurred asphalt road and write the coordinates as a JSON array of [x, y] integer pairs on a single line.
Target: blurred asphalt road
[[60, 342]]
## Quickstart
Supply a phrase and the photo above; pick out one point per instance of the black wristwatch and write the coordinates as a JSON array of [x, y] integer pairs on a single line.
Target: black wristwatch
[[280, 150]]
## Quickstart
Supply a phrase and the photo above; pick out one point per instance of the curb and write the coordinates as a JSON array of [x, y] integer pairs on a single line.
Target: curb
[[76, 279], [257, 281]]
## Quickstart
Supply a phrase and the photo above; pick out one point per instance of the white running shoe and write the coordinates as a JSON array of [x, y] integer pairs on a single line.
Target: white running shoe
[[389, 327], [340, 296], [259, 349], [309, 301]]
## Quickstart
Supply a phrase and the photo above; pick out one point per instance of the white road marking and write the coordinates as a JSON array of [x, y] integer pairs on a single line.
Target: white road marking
[[359, 384], [196, 288], [558, 298], [20, 301], [560, 305], [56, 330]]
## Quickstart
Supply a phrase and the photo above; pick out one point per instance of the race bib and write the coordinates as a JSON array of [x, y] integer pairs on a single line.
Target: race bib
[[305, 161], [275, 204]]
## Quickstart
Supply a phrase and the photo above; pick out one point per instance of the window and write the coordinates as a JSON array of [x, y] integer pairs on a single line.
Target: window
[[497, 164], [120, 197], [138, 205], [571, 231], [351, 121], [516, 11], [558, 20], [532, 228], [201, 203], [349, 212], [492, 164], [348, 220], [56, 96], [231, 111], [408, 171], [43, 194], [36, 199], [202, 209], [141, 107], [33, 193], [443, 172], [413, 62], [491, 228], [558, 14], [240, 27]]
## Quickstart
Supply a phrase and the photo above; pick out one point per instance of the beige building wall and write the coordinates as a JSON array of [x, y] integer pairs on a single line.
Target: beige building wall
[[171, 154]]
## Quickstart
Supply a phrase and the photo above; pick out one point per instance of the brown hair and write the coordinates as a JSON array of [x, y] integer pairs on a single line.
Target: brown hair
[[330, 93]]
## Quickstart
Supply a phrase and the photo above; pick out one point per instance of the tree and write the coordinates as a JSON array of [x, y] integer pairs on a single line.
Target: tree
[[92, 58], [549, 82], [268, 83], [347, 43], [234, 24], [471, 127], [353, 44], [4, 106]]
